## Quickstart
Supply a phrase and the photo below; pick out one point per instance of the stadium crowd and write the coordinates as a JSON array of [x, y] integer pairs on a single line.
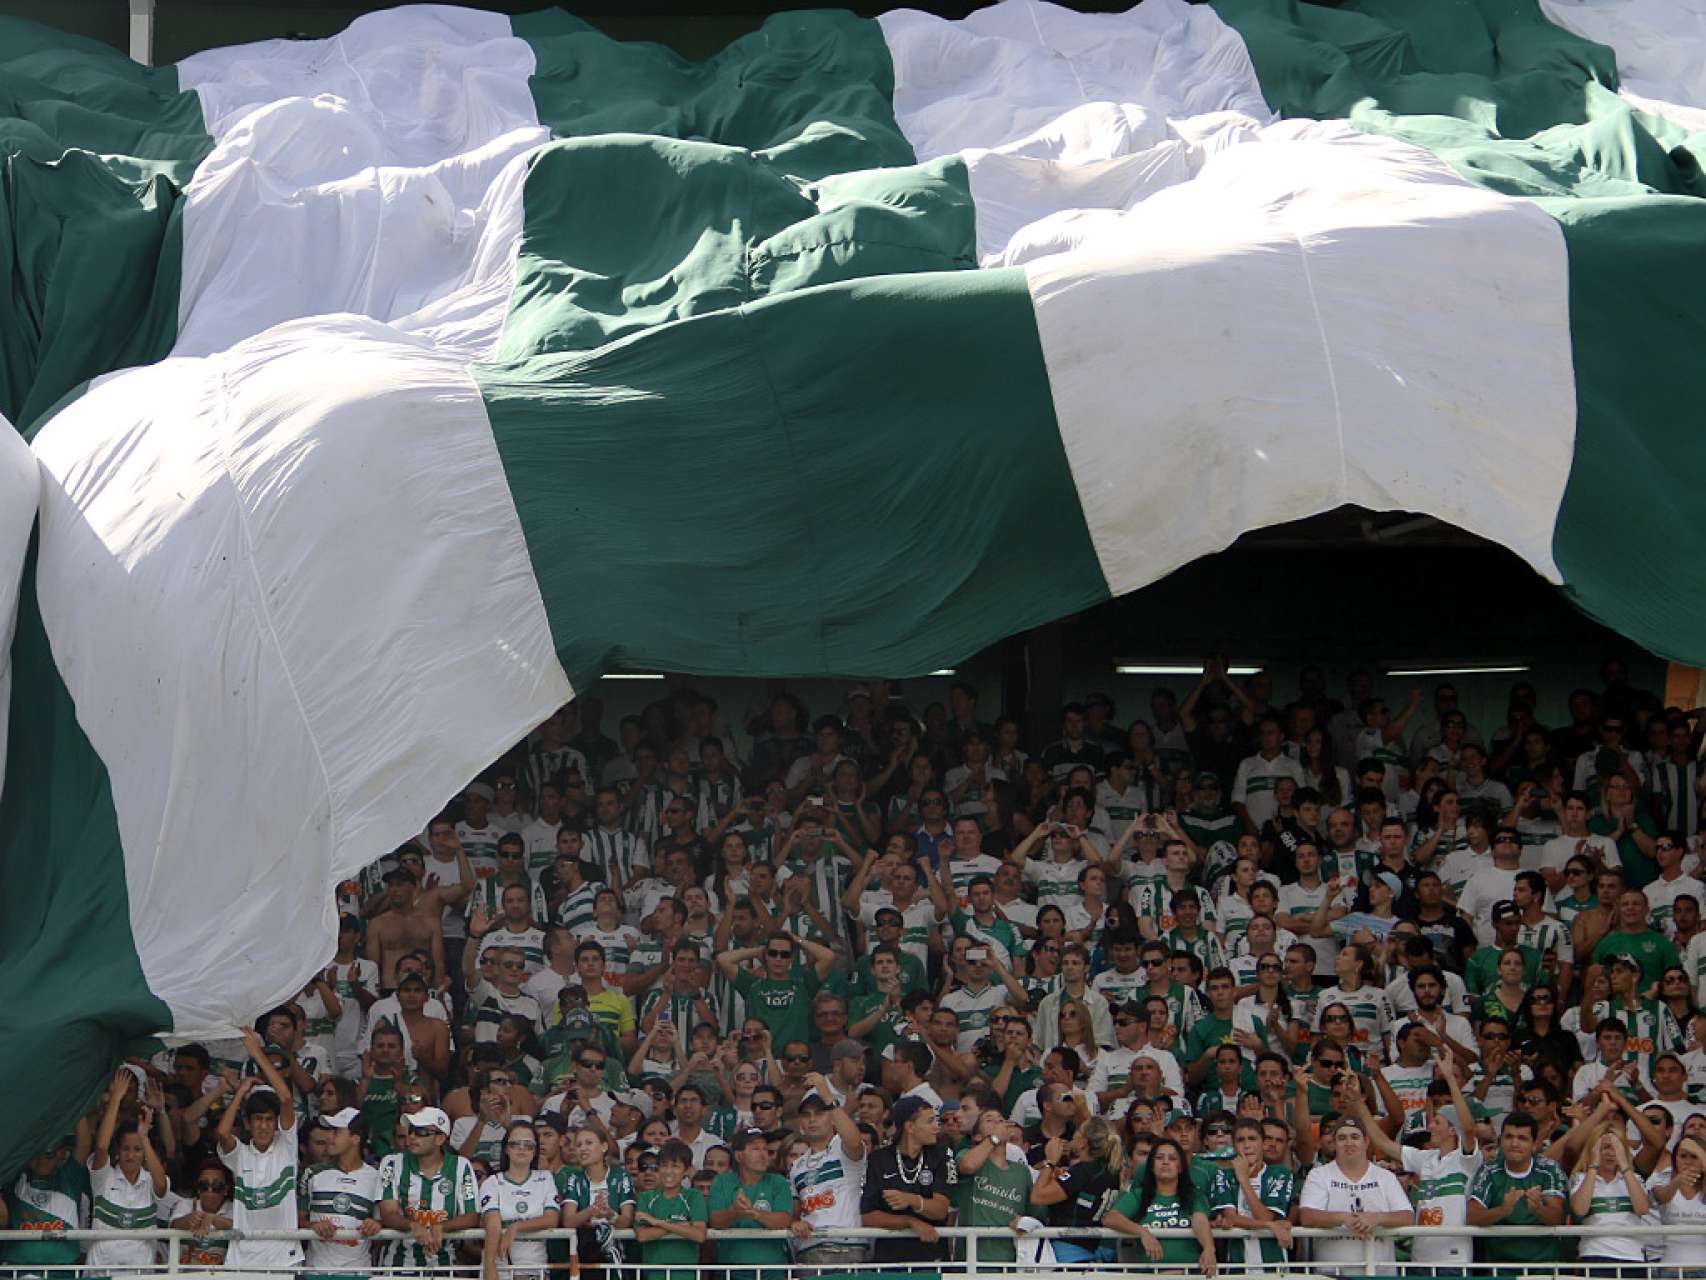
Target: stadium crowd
[[1245, 962]]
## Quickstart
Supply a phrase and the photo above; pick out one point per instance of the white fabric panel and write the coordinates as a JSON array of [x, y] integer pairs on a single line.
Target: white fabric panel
[[1054, 110], [428, 81], [20, 484], [363, 173], [1660, 47], [1362, 326], [330, 622]]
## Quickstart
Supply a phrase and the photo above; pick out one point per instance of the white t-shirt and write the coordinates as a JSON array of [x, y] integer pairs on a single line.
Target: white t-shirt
[[1560, 849], [1488, 885], [348, 1199], [1295, 900], [1331, 1190], [973, 1010], [263, 1198], [1609, 1211], [516, 1202], [1681, 1251], [1662, 895], [827, 1186], [1254, 784], [1442, 1200], [119, 1205]]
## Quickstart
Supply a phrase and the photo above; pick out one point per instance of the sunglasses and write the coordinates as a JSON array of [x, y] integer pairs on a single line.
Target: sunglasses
[[1127, 1022], [1332, 1062], [796, 1057], [522, 1144], [1269, 968], [512, 964], [776, 953], [1155, 963], [1495, 1035], [590, 1064], [1335, 1017], [1666, 844], [210, 1186], [764, 1106]]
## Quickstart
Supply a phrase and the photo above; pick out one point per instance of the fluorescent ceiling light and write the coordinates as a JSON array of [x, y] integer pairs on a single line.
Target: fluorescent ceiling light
[[633, 675], [1468, 669], [1166, 669], [945, 671]]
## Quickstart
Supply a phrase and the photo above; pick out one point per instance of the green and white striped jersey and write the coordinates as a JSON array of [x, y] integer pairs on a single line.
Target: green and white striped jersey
[[449, 1192], [346, 1198], [575, 912], [263, 1198], [530, 942], [617, 853]]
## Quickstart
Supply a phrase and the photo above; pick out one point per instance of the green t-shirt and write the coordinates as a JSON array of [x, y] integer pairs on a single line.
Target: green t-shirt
[[772, 1193], [993, 1197], [888, 1027], [1206, 1032], [43, 1204], [1481, 974], [380, 1110], [911, 975], [783, 1006], [1492, 1182], [1652, 951], [1163, 1211], [685, 1205], [1639, 870]]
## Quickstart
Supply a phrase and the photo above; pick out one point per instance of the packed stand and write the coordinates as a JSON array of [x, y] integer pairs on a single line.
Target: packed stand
[[1333, 963]]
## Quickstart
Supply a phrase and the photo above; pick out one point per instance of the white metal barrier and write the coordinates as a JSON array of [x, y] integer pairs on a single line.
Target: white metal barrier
[[967, 1244]]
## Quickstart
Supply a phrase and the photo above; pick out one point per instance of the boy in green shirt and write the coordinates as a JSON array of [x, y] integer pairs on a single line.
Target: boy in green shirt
[[670, 1222], [750, 1196], [1520, 1188]]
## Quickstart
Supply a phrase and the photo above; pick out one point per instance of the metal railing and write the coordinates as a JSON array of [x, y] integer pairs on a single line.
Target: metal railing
[[967, 1243]]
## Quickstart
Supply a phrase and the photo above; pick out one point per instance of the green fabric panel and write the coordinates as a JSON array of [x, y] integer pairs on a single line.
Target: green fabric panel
[[94, 153], [75, 992], [1630, 540], [858, 476], [626, 232], [1525, 108], [815, 88]]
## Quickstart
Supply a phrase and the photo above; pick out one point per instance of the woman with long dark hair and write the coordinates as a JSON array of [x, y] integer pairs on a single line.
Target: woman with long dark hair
[[517, 1201], [1544, 1034], [1165, 1197]]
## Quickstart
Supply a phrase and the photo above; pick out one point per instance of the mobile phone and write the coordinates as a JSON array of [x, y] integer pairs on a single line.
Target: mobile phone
[[815, 801], [665, 1017], [977, 953]]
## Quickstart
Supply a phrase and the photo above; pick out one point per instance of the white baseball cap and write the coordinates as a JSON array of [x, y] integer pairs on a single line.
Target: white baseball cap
[[341, 1119], [429, 1118]]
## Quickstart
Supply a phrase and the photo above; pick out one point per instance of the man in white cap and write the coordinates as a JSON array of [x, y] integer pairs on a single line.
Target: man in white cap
[[340, 1199], [427, 1193]]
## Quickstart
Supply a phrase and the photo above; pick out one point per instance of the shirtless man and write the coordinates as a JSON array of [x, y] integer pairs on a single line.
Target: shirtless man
[[409, 922], [428, 1037]]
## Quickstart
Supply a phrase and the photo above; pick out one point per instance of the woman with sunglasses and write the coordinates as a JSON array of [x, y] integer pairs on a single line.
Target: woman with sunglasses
[[209, 1211], [1676, 993], [1078, 1033], [1337, 1027], [1371, 1013], [1262, 1020], [1165, 1198], [516, 1201], [1544, 1035]]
